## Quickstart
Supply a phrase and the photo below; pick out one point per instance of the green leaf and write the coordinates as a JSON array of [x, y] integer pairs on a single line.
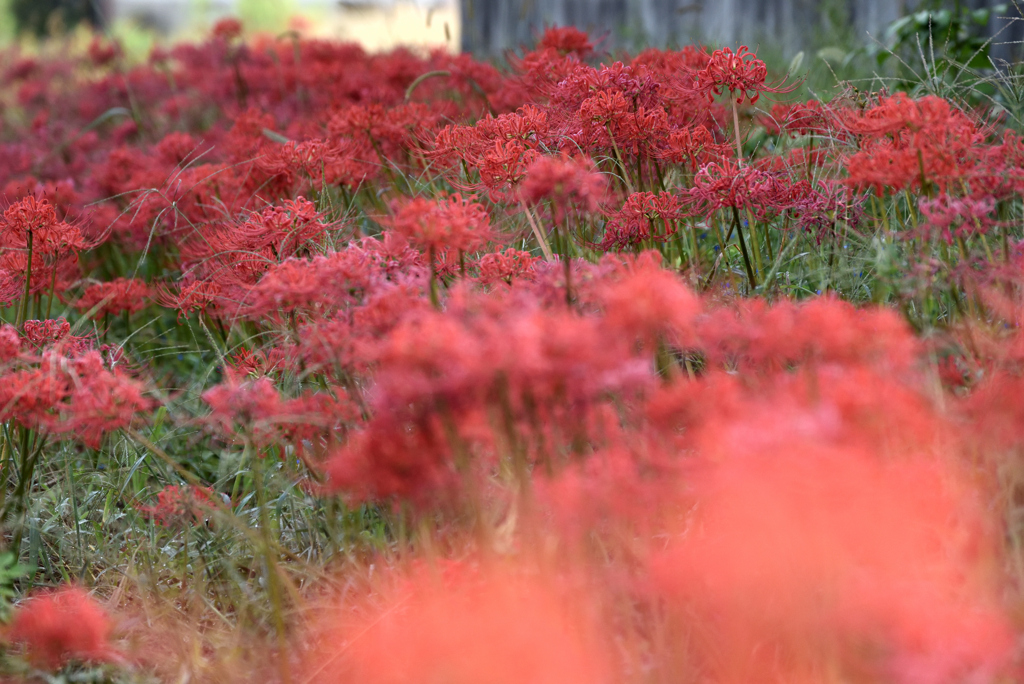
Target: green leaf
[[833, 55], [897, 26], [796, 62], [158, 423], [980, 61]]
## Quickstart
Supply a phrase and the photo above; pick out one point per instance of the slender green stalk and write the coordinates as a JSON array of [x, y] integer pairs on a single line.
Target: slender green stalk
[[23, 309], [743, 249], [270, 560], [435, 299], [736, 129]]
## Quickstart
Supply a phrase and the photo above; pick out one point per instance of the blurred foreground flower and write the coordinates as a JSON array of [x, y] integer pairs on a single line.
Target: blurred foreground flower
[[180, 505], [460, 625], [61, 625], [832, 560]]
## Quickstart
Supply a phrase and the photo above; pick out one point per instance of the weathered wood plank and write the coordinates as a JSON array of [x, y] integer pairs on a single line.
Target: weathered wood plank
[[491, 27]]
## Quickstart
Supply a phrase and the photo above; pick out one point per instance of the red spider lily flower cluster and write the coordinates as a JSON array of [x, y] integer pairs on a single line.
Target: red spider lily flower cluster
[[178, 505], [741, 73], [57, 383], [255, 411], [502, 305], [567, 40], [645, 217], [467, 624], [114, 296], [957, 217], [505, 266], [567, 183], [37, 247], [61, 625], [452, 223], [727, 185], [802, 118], [914, 144], [866, 536]]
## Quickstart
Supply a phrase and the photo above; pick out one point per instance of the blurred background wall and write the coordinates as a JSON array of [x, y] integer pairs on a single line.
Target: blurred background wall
[[376, 24], [491, 27]]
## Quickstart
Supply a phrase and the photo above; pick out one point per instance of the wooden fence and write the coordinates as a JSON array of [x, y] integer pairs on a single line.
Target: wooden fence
[[491, 27]]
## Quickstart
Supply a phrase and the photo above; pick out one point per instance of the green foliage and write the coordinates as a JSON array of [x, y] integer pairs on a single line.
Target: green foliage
[[10, 572], [47, 17], [265, 15], [946, 41]]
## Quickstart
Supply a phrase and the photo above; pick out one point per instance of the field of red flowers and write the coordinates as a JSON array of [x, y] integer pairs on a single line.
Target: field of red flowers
[[323, 366]]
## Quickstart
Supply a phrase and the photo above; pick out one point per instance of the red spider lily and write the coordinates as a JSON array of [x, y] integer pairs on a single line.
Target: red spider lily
[[10, 343], [695, 145], [543, 72], [822, 207], [244, 407], [957, 217], [45, 332], [316, 287], [284, 228], [349, 341], [177, 147], [254, 410], [386, 134], [99, 400], [102, 53], [36, 220], [566, 40], [802, 118], [55, 334], [499, 148], [180, 505], [115, 296], [665, 443], [814, 554], [566, 182], [10, 287], [644, 217], [196, 295], [912, 144], [1000, 169], [234, 257], [440, 374], [799, 161], [651, 303], [508, 265], [392, 255], [625, 487], [247, 364], [454, 222], [723, 185], [48, 272], [820, 331], [68, 389], [504, 166], [741, 73], [61, 625], [465, 625], [323, 162], [227, 29], [610, 121]]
